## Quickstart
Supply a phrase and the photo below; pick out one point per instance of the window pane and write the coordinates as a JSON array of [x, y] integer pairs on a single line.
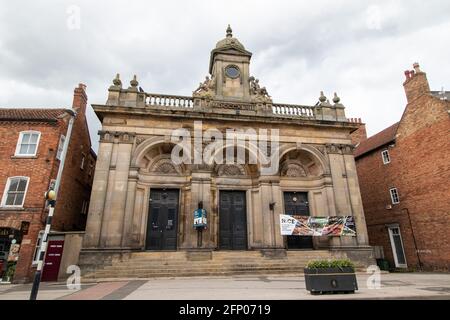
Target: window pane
[[34, 138], [23, 149], [10, 199], [32, 149], [25, 138], [399, 249], [22, 185], [19, 199], [14, 183]]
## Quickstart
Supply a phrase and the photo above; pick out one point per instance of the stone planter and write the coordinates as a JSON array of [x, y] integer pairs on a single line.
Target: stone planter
[[330, 280]]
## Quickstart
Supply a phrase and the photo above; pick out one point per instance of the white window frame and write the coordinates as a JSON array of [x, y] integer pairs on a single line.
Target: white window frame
[[391, 190], [6, 191], [394, 252], [19, 143], [37, 249], [60, 146], [386, 156]]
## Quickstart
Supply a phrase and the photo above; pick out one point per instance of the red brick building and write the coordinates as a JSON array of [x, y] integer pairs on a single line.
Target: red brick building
[[31, 142], [404, 176]]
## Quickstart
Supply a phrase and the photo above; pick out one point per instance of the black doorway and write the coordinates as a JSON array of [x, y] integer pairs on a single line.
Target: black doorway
[[232, 220], [162, 220], [296, 203]]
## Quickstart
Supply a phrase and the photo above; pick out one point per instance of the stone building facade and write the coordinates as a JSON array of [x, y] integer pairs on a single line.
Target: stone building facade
[[137, 182], [404, 174], [30, 145]]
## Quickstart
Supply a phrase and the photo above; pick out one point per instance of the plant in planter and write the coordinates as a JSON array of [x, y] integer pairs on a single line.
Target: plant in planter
[[330, 276]]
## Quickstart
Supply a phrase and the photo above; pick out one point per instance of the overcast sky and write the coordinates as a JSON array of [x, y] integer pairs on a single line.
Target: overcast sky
[[358, 48]]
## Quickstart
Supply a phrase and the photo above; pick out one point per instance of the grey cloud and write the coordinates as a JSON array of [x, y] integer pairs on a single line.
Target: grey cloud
[[299, 48]]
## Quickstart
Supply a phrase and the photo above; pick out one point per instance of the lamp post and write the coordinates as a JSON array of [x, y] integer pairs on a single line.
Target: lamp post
[[50, 196]]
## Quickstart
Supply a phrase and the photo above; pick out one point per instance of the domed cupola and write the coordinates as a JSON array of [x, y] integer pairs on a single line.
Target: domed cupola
[[229, 41], [229, 68]]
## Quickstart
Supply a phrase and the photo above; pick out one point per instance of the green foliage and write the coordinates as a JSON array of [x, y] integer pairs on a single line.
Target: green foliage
[[338, 263], [11, 269]]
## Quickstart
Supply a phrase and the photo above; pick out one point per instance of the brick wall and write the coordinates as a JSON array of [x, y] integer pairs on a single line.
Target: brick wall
[[359, 134], [40, 170], [74, 189], [420, 170], [76, 183]]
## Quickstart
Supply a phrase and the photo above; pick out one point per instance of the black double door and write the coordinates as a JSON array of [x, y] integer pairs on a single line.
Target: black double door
[[296, 203], [232, 220], [162, 220]]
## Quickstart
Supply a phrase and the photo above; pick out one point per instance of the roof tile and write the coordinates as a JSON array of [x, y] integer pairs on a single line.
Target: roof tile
[[377, 140]]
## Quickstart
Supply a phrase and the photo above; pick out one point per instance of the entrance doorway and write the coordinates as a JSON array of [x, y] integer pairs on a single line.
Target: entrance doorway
[[162, 220], [52, 260], [296, 203], [232, 220], [397, 247]]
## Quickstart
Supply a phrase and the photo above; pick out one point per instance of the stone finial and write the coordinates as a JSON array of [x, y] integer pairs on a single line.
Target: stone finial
[[417, 67], [117, 82], [134, 83], [229, 32], [336, 99], [322, 97]]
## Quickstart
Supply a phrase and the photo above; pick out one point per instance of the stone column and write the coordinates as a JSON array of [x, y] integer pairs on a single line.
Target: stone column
[[111, 235], [127, 239], [98, 194], [355, 197], [270, 192], [200, 191], [340, 189], [278, 209]]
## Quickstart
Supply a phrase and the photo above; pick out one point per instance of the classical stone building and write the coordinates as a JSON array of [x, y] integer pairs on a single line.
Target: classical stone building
[[142, 200]]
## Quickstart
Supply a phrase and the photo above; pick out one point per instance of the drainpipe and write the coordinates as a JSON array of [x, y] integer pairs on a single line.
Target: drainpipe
[[414, 238], [44, 241]]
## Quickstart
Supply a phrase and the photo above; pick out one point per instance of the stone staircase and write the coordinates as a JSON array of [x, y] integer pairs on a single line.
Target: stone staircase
[[206, 263]]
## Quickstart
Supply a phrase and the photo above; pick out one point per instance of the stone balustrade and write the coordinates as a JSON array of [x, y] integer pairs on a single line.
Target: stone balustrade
[[293, 110], [174, 101], [164, 100]]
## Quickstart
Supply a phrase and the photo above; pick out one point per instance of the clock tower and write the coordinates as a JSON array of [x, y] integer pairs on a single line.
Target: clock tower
[[229, 68]]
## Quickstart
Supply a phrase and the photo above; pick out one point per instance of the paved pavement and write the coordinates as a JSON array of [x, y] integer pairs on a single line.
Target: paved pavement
[[285, 287]]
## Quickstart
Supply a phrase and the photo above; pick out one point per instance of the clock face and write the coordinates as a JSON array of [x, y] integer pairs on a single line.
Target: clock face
[[232, 72]]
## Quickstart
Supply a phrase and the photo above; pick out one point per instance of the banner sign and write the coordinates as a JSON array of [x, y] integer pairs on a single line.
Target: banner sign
[[317, 226]]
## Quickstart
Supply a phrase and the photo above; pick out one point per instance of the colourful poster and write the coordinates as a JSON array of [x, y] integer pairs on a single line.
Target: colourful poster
[[317, 226], [349, 227]]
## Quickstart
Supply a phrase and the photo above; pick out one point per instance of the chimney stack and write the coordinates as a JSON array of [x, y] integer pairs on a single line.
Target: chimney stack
[[416, 83], [80, 99]]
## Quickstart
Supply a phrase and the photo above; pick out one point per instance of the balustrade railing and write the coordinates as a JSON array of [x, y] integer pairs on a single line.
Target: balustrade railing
[[292, 110], [164, 100], [286, 110]]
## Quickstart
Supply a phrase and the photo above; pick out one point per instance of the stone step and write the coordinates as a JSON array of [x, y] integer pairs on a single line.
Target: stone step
[[150, 264], [151, 273], [215, 266], [212, 274], [229, 257], [206, 263]]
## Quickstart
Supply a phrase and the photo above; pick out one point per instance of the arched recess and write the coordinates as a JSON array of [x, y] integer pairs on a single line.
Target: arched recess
[[233, 170], [314, 153], [163, 164], [140, 157], [248, 168]]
